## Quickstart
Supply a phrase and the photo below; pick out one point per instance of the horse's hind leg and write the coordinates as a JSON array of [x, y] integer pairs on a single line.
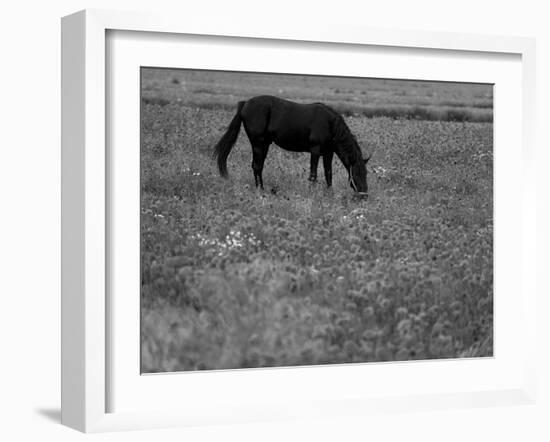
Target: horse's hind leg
[[259, 152]]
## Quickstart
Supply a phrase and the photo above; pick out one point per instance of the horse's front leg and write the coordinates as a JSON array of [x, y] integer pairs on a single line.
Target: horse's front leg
[[327, 165], [313, 163]]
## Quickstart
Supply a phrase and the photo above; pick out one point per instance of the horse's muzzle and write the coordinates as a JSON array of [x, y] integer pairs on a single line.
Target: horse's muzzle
[[364, 195]]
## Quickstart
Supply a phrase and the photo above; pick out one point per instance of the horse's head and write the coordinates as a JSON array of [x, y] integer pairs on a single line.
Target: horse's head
[[358, 177]]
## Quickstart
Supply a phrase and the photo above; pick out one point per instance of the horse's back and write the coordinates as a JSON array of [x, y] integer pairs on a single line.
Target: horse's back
[[282, 108], [290, 125]]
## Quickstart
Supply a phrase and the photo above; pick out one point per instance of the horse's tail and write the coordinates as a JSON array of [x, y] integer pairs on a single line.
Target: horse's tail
[[226, 143]]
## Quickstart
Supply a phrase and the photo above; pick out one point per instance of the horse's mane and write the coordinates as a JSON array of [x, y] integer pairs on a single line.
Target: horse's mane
[[344, 137]]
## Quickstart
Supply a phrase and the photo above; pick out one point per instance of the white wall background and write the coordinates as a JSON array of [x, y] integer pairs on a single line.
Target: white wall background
[[30, 215]]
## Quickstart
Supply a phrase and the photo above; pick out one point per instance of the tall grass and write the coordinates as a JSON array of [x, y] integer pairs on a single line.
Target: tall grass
[[233, 277], [409, 112]]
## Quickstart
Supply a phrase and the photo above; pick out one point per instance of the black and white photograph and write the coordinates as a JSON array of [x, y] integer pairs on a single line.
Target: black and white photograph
[[287, 221], [299, 220]]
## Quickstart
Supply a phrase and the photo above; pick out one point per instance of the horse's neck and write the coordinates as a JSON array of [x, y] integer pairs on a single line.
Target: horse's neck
[[346, 155], [344, 159], [344, 145]]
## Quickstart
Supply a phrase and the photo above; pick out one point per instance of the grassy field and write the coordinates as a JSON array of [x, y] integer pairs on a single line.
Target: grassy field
[[351, 96], [233, 277]]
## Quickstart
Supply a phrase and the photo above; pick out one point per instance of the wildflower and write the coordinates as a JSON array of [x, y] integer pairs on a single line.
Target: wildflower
[[404, 327], [437, 328], [402, 354], [351, 348], [371, 334]]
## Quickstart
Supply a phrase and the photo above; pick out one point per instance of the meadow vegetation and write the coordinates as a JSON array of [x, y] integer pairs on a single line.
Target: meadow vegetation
[[351, 96], [233, 277]]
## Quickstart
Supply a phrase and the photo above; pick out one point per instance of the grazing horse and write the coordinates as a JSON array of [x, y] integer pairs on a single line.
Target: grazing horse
[[315, 128]]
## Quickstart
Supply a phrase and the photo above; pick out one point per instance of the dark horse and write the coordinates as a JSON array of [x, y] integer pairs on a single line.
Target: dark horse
[[315, 128]]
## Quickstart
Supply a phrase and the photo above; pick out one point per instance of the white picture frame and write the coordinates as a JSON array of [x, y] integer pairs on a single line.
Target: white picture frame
[[85, 233]]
